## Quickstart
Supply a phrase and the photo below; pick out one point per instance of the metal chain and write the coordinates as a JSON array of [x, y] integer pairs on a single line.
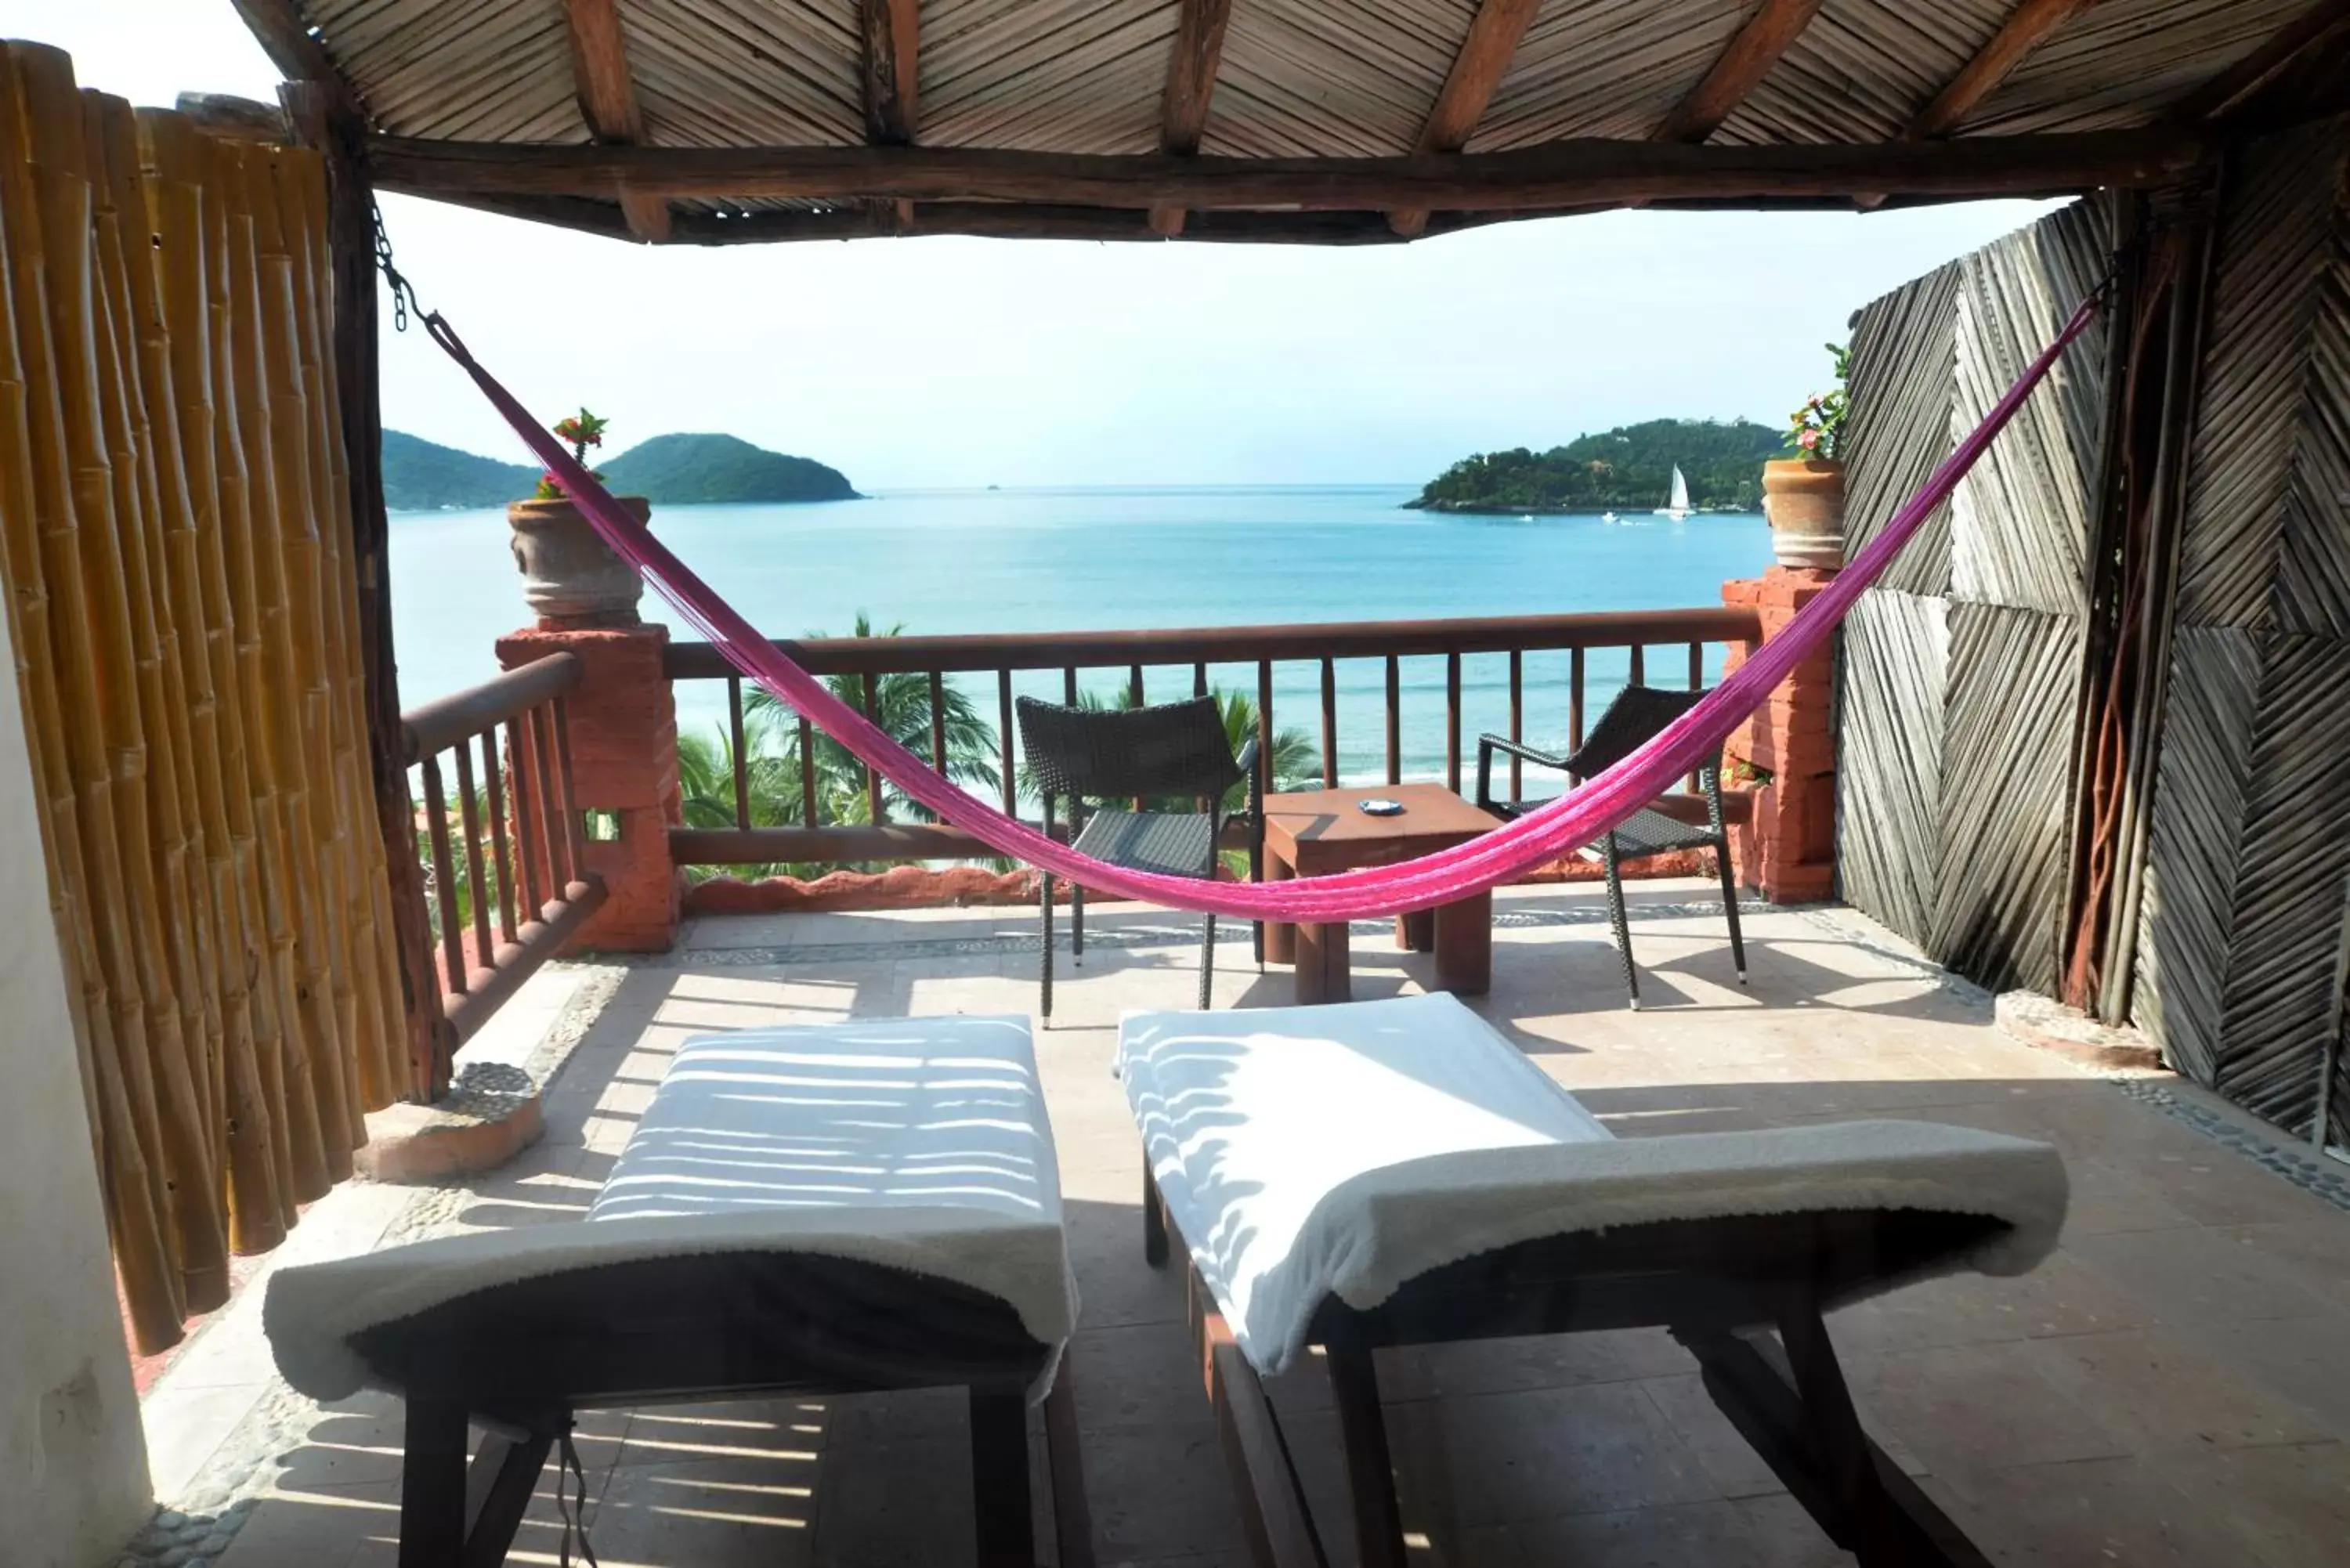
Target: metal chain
[[403, 293]]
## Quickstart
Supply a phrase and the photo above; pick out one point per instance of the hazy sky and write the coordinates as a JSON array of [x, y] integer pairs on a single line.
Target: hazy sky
[[946, 361]]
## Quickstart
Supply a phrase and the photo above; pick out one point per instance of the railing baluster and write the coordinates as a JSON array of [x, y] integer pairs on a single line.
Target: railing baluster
[[1517, 722], [938, 722], [1004, 735], [1452, 722], [874, 813], [740, 755], [1329, 724], [1639, 676], [501, 852], [1069, 686], [807, 774], [444, 877], [575, 837], [1265, 722], [1395, 720], [469, 814], [1198, 681], [524, 758], [1574, 701], [550, 806], [1134, 685]]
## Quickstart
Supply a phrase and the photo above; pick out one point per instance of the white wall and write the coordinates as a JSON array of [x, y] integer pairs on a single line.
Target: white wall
[[73, 1465]]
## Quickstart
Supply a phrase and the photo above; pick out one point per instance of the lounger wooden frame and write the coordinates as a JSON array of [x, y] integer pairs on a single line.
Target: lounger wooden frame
[[522, 1360], [1718, 1287]]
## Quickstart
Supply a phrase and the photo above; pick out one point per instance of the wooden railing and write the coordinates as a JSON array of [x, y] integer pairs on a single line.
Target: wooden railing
[[516, 881], [1684, 634]]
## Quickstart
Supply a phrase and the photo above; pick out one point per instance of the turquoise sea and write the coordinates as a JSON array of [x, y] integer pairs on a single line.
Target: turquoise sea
[[1092, 559]]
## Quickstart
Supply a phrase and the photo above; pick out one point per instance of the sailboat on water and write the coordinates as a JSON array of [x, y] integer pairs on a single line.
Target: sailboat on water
[[1678, 508]]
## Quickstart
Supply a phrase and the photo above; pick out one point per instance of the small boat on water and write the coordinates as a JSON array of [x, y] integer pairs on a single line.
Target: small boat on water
[[1608, 517], [1678, 508]]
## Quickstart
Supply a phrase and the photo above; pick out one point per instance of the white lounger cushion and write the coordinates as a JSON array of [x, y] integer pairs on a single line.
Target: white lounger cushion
[[1317, 1151], [914, 1143]]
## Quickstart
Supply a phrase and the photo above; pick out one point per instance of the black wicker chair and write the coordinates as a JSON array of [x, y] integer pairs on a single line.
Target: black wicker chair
[[1637, 713], [1143, 759]]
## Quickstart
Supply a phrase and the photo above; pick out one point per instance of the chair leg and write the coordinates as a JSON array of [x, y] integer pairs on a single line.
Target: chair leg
[[1154, 1218], [1077, 926], [1623, 924], [1005, 1527], [1045, 976], [432, 1485], [1208, 965], [1730, 906]]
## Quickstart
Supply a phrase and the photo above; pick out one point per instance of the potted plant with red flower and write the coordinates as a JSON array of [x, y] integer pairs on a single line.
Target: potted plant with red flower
[[570, 576], [1802, 493]]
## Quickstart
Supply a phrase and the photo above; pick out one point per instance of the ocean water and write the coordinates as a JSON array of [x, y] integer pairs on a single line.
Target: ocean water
[[1095, 559]]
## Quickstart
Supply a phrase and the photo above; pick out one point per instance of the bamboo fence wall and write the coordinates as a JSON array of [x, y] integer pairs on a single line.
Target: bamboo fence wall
[[2242, 938], [174, 513], [1960, 674]]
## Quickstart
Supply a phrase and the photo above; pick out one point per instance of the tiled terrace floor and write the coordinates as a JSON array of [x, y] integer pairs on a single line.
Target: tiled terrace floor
[[2172, 1387]]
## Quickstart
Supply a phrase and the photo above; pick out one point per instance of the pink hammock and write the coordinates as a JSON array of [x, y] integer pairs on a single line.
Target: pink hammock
[[1578, 818]]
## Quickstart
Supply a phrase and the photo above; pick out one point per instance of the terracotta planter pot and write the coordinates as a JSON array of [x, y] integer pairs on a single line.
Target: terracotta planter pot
[[570, 576], [1803, 499]]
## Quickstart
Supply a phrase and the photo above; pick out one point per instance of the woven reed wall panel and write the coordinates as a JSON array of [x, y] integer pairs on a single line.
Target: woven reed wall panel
[[2007, 747], [1862, 69], [2186, 914], [2020, 518], [1904, 357], [174, 526], [2281, 1002], [2312, 592], [1960, 672], [1895, 665], [457, 68], [1299, 77], [2278, 239], [711, 73], [2118, 62], [1054, 75], [1591, 67]]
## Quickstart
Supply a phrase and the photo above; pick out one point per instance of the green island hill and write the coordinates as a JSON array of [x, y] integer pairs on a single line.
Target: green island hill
[[684, 470], [1628, 469]]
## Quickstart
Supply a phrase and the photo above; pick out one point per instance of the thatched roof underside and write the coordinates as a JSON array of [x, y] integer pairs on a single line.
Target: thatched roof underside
[[728, 120]]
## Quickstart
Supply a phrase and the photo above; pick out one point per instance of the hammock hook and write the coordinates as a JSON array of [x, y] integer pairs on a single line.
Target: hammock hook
[[403, 293]]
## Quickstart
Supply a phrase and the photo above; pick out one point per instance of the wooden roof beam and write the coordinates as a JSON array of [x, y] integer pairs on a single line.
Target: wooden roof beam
[[2239, 89], [2026, 28], [299, 52], [1553, 175], [607, 101], [1739, 69], [891, 34], [1468, 87], [1192, 60]]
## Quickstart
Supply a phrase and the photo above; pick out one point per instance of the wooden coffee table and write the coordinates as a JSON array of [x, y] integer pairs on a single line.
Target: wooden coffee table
[[1322, 831]]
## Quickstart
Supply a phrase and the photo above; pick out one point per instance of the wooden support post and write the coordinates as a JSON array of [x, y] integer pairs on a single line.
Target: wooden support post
[[1193, 59]]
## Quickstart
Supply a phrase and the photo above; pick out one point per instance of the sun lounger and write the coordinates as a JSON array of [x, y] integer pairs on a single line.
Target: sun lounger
[[823, 1210], [1393, 1173]]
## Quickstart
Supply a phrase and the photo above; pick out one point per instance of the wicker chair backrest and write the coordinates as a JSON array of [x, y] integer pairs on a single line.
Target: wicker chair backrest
[[1172, 749], [1637, 713]]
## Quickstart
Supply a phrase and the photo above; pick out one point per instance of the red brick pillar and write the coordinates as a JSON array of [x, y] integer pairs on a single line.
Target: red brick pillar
[[1787, 849], [623, 726]]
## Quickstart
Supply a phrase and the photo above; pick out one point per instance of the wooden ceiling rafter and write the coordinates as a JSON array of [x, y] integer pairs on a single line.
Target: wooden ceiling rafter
[[299, 52], [1193, 57], [608, 102], [890, 34], [2324, 28], [2029, 26], [1739, 69], [1554, 174], [1468, 87]]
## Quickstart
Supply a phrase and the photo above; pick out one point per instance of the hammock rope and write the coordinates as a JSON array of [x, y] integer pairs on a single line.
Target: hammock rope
[[1576, 818]]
